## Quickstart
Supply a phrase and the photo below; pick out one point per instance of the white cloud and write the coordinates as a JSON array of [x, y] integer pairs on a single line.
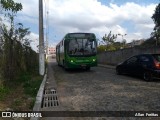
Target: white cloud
[[30, 7], [34, 40], [91, 16], [133, 36], [24, 18]]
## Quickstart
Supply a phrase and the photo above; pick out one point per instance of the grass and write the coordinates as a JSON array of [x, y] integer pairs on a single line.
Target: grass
[[31, 86], [31, 105], [20, 94], [16, 103], [3, 92], [30, 83]]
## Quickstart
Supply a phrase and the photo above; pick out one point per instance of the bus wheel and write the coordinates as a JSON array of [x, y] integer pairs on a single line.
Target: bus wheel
[[59, 64], [64, 65], [88, 68]]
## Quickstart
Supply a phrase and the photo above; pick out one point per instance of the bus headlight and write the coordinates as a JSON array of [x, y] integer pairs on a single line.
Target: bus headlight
[[94, 60], [71, 61]]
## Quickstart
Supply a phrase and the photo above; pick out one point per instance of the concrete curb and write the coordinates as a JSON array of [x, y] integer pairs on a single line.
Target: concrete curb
[[107, 66], [37, 105]]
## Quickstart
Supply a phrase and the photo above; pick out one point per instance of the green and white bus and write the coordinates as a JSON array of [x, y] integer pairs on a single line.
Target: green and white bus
[[77, 50]]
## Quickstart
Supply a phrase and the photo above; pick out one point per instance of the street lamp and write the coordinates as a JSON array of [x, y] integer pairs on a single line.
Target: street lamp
[[122, 37]]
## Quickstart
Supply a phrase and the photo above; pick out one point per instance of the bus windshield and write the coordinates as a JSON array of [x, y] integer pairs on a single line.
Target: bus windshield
[[80, 47]]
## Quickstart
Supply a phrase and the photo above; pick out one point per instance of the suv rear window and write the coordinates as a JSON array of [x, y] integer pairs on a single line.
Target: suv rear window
[[144, 59], [157, 57]]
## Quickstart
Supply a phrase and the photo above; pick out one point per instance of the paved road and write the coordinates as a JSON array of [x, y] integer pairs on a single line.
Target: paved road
[[100, 89]]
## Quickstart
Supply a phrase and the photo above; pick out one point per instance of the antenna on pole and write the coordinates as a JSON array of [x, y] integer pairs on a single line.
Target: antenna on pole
[[41, 39]]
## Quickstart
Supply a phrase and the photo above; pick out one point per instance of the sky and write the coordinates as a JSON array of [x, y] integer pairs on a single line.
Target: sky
[[130, 17]]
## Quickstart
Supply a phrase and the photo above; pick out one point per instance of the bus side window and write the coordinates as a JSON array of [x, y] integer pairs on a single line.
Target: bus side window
[[63, 42], [93, 44]]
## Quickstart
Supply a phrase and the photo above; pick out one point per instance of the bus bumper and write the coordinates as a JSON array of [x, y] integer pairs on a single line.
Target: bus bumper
[[81, 65]]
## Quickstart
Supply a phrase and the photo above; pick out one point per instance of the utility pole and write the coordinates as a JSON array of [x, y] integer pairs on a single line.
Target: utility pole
[[41, 40]]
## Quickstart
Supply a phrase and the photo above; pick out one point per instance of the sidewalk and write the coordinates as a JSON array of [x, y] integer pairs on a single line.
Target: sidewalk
[[50, 98]]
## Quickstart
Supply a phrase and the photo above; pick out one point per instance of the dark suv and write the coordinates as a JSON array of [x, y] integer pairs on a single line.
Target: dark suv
[[145, 65]]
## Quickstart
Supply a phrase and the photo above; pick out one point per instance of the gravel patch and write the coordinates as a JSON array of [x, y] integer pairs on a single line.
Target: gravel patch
[[100, 89]]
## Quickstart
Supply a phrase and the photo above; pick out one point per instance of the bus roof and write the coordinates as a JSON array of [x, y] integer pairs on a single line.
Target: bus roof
[[79, 35]]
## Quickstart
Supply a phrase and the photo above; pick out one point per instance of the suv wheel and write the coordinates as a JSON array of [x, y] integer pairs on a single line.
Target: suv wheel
[[147, 76], [118, 71]]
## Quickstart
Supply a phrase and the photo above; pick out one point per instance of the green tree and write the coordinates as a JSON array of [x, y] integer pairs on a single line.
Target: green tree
[[111, 44], [101, 48], [16, 55], [10, 5], [9, 38], [156, 18], [110, 38]]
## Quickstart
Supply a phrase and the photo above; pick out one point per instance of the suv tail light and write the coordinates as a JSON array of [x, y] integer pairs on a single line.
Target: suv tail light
[[157, 64]]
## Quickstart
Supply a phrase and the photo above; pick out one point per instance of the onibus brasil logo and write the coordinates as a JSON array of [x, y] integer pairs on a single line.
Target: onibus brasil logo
[[20, 114]]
